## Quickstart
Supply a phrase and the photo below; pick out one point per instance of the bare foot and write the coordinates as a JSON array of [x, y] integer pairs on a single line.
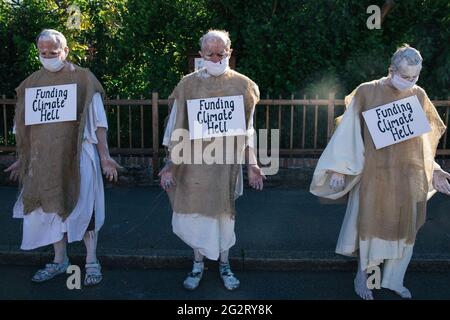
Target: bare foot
[[404, 293], [360, 283]]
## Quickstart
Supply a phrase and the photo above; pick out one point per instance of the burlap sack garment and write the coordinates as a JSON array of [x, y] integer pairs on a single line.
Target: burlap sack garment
[[395, 179], [49, 154], [208, 189]]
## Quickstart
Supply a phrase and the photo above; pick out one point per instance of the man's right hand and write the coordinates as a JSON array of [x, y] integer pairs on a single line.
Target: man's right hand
[[337, 181], [13, 171]]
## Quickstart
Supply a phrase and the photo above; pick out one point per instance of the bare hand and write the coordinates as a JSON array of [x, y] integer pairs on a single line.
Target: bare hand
[[255, 177], [167, 178], [337, 181], [13, 170], [440, 181], [109, 168]]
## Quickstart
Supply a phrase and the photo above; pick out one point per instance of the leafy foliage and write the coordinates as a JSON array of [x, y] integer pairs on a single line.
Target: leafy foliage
[[290, 46]]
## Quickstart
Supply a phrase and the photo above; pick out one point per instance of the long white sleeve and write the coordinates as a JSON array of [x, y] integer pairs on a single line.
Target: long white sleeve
[[343, 154]]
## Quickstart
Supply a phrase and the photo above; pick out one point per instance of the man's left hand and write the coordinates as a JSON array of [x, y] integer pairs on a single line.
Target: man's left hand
[[109, 168], [255, 177], [440, 181]]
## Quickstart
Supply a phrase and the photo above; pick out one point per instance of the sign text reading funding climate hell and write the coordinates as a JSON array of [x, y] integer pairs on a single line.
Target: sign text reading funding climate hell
[[50, 104], [396, 121], [216, 117]]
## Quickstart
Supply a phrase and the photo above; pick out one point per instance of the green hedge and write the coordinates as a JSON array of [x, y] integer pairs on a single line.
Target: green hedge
[[286, 46]]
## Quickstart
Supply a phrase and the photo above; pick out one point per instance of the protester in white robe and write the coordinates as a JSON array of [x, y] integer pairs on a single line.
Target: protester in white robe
[[211, 236], [85, 221], [339, 172]]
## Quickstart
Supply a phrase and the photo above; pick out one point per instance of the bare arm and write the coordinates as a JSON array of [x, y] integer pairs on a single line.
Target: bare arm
[[255, 174], [109, 166]]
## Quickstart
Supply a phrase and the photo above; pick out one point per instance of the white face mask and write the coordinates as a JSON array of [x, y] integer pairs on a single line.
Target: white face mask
[[216, 68], [52, 64], [402, 84]]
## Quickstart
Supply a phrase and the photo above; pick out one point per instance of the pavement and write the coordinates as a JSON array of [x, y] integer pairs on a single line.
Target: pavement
[[278, 229], [256, 286]]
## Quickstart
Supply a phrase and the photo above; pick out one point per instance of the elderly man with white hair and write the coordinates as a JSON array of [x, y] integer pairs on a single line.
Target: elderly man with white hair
[[60, 162], [202, 194], [388, 187]]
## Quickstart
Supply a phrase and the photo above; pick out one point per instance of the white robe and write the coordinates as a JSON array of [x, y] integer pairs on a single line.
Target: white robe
[[345, 154], [40, 228], [210, 236]]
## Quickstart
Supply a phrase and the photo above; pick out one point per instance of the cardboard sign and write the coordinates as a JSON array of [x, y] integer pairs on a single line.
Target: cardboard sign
[[216, 117], [50, 104], [396, 121]]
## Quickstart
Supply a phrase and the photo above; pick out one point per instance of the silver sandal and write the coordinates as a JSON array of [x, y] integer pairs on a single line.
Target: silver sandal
[[93, 274], [50, 271]]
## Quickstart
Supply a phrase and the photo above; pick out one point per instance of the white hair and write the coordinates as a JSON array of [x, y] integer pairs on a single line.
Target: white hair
[[405, 56], [52, 35], [214, 35]]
